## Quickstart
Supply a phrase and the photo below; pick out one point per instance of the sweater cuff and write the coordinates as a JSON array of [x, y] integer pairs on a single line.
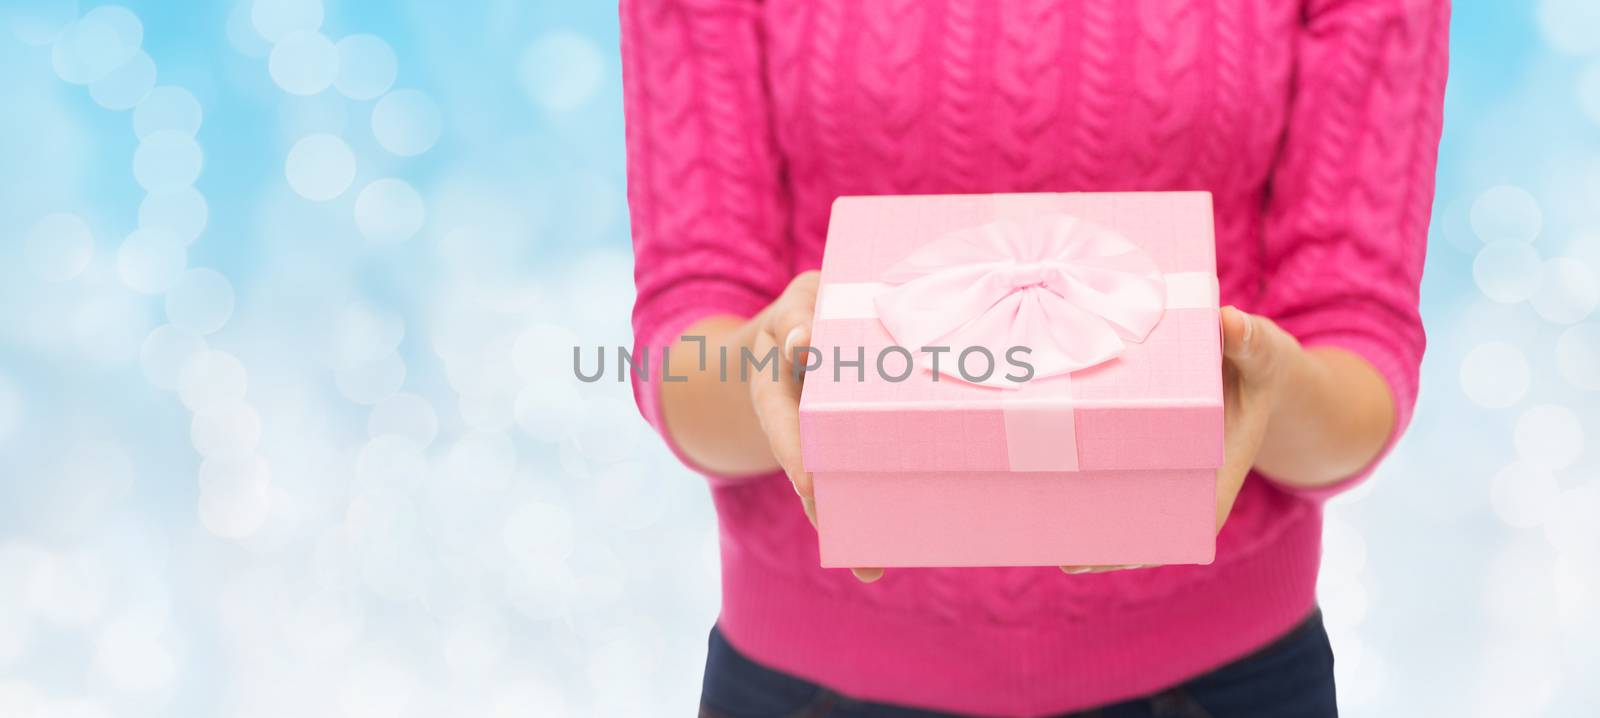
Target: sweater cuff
[[662, 325]]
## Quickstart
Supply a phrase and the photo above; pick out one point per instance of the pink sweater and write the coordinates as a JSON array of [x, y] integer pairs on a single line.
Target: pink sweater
[[1315, 125]]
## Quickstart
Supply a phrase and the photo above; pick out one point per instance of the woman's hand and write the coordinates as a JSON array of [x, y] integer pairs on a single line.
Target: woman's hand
[[1257, 359], [786, 325]]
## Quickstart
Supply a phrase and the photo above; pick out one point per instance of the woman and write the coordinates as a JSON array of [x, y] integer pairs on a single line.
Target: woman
[[1315, 125]]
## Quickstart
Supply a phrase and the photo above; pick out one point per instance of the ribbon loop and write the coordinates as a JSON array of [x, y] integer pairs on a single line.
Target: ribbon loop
[[1072, 292]]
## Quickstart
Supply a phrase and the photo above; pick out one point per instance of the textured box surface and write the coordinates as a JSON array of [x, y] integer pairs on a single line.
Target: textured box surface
[[1016, 519], [918, 472]]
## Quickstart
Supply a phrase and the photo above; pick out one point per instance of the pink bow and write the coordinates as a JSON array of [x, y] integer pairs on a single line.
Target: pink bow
[[1071, 291]]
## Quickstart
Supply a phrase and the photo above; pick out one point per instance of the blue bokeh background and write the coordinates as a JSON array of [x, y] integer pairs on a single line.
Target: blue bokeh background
[[286, 429]]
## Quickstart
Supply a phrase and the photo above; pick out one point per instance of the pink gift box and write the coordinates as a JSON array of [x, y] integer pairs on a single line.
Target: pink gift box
[[1110, 464]]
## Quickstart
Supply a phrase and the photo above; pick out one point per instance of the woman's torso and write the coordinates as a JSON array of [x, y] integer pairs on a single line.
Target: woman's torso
[[926, 97]]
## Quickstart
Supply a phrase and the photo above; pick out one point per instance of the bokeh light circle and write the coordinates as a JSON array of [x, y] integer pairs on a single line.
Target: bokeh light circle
[[108, 325], [60, 589], [406, 122], [132, 653], [99, 42], [58, 247], [561, 71], [385, 531], [491, 411], [405, 415], [543, 353], [1495, 375], [182, 211], [633, 494], [370, 382], [126, 86], [1570, 26], [276, 19], [544, 411], [601, 277], [165, 352], [1578, 356], [1570, 527], [1506, 213], [167, 107], [97, 473], [303, 63], [389, 210], [1522, 494], [236, 511], [242, 33], [474, 644], [1589, 91], [609, 429], [200, 301], [541, 590], [228, 471], [40, 23], [150, 260], [1454, 224], [320, 167], [1568, 291], [482, 459], [539, 531], [210, 380], [1508, 271], [390, 460], [167, 160], [226, 430], [362, 332], [1549, 436], [129, 29], [367, 67]]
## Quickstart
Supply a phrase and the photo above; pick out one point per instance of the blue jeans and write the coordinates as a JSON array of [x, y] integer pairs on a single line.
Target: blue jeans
[[1290, 678]]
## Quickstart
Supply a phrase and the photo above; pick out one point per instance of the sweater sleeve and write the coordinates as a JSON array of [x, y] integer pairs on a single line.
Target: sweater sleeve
[[709, 217], [1350, 197]]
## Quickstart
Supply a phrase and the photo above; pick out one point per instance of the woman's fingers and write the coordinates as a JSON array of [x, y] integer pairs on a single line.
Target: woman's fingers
[[1076, 570], [777, 405], [790, 322], [791, 330], [1257, 353], [1253, 343], [867, 575], [1238, 333]]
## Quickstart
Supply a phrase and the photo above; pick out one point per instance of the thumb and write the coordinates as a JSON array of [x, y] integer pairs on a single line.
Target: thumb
[[791, 329], [1242, 338]]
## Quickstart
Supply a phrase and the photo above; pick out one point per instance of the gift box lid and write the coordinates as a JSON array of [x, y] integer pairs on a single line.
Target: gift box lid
[[1155, 404]]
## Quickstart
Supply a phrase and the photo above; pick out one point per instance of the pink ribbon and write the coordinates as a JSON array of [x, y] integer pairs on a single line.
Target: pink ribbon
[[1072, 291]]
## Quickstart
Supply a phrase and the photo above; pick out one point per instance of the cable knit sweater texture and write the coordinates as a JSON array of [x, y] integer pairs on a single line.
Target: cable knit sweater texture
[[1314, 123]]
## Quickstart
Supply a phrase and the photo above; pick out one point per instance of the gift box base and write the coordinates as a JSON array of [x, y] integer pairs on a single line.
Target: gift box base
[[950, 519]]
